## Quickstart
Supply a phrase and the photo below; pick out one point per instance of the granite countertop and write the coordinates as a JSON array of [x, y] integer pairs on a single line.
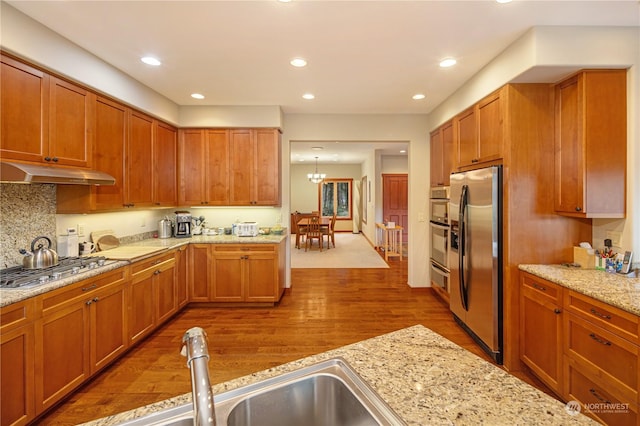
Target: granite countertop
[[614, 289], [424, 378], [13, 295]]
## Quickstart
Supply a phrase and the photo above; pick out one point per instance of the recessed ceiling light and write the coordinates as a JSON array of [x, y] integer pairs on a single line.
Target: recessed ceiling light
[[298, 62], [317, 148], [197, 96], [284, 1], [418, 96], [308, 96], [149, 60], [402, 151], [448, 62], [503, 1]]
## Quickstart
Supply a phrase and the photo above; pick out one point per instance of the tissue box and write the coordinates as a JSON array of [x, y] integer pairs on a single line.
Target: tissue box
[[586, 258]]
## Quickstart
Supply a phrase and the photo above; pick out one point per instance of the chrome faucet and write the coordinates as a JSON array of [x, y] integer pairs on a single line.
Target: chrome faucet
[[194, 347]]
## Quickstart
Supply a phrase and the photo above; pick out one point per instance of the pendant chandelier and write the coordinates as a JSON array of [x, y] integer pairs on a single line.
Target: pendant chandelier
[[316, 177]]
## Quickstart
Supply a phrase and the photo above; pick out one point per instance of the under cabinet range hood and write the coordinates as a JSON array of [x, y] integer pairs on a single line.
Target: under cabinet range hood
[[35, 173]]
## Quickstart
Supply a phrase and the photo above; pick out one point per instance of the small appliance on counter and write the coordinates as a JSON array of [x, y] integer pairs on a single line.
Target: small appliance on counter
[[165, 228], [247, 229], [183, 224], [68, 245]]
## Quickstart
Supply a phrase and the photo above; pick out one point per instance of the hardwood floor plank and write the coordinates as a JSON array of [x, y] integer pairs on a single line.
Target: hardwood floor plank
[[324, 309]]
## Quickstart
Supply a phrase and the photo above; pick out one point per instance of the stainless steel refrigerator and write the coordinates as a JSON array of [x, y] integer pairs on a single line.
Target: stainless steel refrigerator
[[475, 258]]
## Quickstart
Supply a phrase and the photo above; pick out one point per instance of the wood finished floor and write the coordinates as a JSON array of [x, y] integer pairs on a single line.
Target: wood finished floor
[[325, 309]]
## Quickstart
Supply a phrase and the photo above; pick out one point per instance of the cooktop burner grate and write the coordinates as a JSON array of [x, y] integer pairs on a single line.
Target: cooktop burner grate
[[18, 277]]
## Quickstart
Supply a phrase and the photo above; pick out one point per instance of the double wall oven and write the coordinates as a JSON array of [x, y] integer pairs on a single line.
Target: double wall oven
[[439, 237]]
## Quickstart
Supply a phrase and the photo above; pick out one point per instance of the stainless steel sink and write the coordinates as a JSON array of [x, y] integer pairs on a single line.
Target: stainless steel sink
[[326, 393]]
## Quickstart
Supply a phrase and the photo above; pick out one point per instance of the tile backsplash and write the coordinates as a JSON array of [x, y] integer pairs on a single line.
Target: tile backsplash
[[26, 212]]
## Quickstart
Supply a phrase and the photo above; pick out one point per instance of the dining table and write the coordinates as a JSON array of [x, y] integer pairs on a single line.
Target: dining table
[[324, 223]]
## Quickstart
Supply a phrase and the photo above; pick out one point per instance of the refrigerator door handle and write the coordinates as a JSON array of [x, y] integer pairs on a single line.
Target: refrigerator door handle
[[463, 242]]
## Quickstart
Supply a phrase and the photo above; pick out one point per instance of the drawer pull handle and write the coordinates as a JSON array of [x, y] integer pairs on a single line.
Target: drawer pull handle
[[601, 399], [539, 287], [600, 340], [91, 287], [598, 314]]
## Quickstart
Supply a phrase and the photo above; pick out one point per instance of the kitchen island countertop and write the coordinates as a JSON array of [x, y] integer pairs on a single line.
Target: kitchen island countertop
[[425, 378], [614, 289]]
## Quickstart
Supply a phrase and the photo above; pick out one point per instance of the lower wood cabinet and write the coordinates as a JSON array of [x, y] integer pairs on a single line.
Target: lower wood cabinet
[[541, 329], [236, 272], [81, 330], [182, 269], [152, 294], [16, 363], [583, 349]]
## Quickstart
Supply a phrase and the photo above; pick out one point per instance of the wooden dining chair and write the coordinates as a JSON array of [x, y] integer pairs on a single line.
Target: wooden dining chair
[[330, 232], [300, 230], [314, 232]]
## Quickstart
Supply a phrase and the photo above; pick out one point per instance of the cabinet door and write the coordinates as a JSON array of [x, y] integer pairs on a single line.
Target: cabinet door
[[70, 123], [541, 330], [490, 119], [199, 275], [467, 143], [191, 159], [261, 277], [62, 353], [242, 167], [165, 292], [108, 334], [435, 153], [140, 307], [217, 167], [181, 276], [108, 153], [24, 112], [17, 372], [227, 269], [139, 162], [448, 150], [266, 180], [569, 195], [165, 163]]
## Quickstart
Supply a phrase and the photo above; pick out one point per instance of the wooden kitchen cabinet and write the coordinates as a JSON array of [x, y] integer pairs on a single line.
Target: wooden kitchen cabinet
[[199, 272], [479, 131], [541, 322], [165, 163], [441, 152], [151, 294], [203, 159], [81, 330], [17, 405], [139, 161], [182, 268], [254, 167], [44, 119], [590, 144]]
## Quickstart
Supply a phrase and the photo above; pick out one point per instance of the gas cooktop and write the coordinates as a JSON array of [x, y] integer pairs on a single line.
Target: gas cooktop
[[18, 277]]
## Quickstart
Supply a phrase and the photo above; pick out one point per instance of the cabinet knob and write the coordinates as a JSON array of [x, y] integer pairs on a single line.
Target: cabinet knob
[[578, 209], [157, 272], [47, 158], [55, 159], [557, 311]]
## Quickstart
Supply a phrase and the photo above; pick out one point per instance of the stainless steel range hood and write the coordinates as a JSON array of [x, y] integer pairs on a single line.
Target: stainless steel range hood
[[34, 173]]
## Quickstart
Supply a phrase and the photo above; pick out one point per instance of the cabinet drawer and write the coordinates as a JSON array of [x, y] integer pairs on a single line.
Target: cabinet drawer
[[598, 401], [612, 358], [152, 262], [16, 315], [244, 248], [617, 321], [542, 288], [82, 289]]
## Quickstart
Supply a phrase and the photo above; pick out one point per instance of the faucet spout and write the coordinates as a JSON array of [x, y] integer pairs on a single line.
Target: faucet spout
[[194, 347]]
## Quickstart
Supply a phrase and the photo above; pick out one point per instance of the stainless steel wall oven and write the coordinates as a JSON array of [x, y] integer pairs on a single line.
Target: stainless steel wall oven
[[439, 236]]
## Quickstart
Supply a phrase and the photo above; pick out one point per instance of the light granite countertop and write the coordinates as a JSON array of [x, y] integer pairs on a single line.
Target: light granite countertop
[[425, 378], [13, 295], [614, 289]]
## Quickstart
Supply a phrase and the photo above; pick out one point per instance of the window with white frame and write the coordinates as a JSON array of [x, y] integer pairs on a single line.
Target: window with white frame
[[335, 197]]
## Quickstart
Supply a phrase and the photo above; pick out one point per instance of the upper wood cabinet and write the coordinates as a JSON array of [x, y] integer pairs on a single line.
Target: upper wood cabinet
[[165, 166], [590, 144], [479, 131], [139, 161], [203, 167], [237, 167], [441, 152], [44, 119]]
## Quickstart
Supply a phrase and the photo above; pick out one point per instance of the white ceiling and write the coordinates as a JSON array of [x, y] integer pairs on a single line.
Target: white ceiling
[[364, 57]]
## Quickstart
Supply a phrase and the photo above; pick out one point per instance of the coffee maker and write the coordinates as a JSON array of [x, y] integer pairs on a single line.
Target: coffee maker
[[183, 224]]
